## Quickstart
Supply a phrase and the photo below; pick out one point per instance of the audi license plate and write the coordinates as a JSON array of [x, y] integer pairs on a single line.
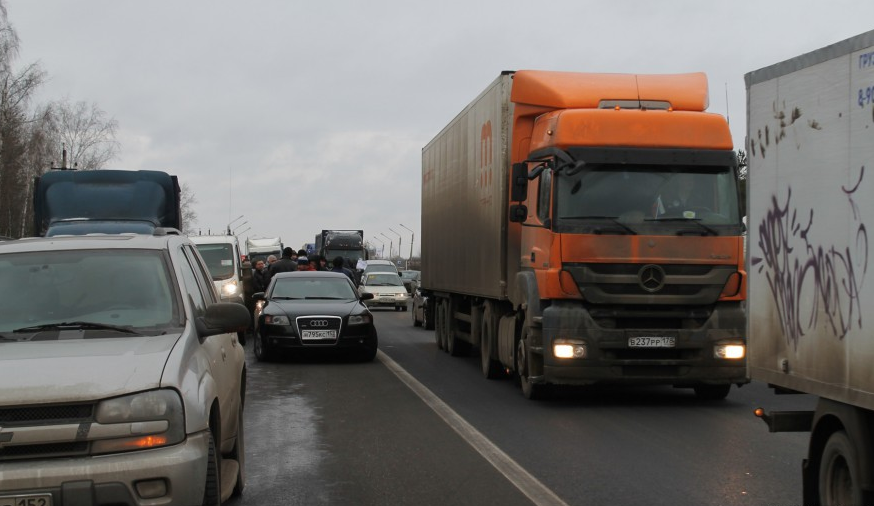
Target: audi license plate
[[317, 334], [26, 500], [652, 342]]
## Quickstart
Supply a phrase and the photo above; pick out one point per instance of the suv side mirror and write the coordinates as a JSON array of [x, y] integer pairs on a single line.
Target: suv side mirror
[[222, 318]]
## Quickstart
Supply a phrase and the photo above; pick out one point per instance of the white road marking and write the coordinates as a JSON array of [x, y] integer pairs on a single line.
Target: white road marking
[[518, 476]]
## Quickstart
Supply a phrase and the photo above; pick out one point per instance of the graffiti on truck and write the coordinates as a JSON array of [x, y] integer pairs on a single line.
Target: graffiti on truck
[[812, 284]]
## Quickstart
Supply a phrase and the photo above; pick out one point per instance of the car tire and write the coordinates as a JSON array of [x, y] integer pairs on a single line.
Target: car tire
[[416, 321], [212, 491], [262, 352], [239, 453], [427, 322]]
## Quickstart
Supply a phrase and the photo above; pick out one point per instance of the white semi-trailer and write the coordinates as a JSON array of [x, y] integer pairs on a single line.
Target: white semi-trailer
[[810, 139]]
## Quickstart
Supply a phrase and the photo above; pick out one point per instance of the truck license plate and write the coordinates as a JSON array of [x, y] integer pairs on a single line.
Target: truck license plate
[[652, 342], [26, 500], [317, 334]]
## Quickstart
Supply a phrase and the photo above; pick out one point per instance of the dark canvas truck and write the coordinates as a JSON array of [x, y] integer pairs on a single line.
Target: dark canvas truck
[[73, 202]]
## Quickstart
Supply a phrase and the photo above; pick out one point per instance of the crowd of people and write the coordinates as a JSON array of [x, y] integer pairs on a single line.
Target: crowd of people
[[290, 261]]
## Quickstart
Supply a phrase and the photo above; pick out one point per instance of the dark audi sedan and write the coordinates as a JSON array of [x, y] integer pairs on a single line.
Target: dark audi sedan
[[313, 310]]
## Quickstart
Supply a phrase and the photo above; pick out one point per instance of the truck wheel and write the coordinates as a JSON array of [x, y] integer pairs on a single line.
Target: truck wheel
[[532, 391], [712, 392], [491, 368], [212, 491], [839, 472]]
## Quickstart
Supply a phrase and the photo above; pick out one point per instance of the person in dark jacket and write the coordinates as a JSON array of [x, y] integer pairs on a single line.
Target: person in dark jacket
[[340, 267], [285, 264], [260, 278]]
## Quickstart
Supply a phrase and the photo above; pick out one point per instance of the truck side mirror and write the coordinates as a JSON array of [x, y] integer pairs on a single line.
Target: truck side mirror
[[518, 213], [519, 183]]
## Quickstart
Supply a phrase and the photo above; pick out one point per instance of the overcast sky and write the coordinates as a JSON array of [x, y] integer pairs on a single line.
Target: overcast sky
[[301, 115]]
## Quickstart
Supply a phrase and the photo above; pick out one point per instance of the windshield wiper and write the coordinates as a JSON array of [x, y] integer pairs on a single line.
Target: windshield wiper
[[707, 230], [602, 230], [326, 298], [285, 298], [75, 326]]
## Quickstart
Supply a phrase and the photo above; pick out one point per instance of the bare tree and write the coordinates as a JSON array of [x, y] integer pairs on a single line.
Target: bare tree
[[16, 123], [85, 131], [189, 215]]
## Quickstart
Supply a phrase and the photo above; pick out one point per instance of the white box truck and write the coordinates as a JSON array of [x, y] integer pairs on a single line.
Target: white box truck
[[810, 139]]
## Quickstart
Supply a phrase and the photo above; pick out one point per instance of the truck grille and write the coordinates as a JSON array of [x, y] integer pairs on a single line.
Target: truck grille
[[692, 285]]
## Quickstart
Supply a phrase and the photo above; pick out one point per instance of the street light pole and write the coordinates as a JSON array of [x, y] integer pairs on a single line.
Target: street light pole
[[233, 221], [399, 242], [234, 232], [412, 240], [390, 244]]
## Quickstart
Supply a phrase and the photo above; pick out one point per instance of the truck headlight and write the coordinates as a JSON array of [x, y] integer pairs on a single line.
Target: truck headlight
[[230, 289], [729, 351], [569, 350], [138, 422]]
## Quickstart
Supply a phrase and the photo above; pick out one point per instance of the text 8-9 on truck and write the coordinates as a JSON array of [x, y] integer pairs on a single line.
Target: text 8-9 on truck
[[605, 216]]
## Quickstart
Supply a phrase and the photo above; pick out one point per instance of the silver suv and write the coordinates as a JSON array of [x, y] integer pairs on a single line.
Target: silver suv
[[122, 377]]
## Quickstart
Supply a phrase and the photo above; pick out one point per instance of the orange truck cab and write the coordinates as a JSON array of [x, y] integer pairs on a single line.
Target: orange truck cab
[[606, 227]]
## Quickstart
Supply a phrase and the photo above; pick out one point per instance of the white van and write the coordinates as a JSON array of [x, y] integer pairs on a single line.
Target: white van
[[223, 259]]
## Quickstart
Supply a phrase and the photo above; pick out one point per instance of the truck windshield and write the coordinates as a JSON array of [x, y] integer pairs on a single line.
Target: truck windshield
[[651, 199], [350, 255], [97, 289], [219, 259]]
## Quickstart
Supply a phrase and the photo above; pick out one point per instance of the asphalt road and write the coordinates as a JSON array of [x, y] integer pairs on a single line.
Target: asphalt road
[[418, 426]]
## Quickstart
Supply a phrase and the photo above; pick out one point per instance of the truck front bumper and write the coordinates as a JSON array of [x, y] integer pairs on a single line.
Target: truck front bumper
[[173, 475], [610, 359]]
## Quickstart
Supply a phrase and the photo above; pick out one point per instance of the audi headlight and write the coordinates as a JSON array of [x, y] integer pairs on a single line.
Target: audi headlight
[[138, 422], [276, 320], [230, 289], [360, 319]]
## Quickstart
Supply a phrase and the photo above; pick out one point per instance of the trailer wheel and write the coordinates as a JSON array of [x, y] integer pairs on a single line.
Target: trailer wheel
[[839, 472], [491, 368], [456, 346]]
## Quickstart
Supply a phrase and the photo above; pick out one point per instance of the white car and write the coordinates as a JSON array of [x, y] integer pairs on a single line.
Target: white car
[[387, 288], [123, 379]]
